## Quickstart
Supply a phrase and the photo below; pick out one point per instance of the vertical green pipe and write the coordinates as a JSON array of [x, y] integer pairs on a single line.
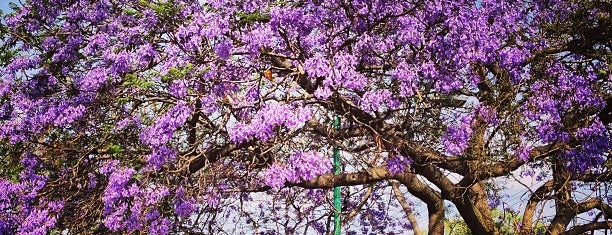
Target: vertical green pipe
[[337, 203]]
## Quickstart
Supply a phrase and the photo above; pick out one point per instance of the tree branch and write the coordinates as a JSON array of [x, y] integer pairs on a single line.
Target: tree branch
[[532, 204], [588, 227], [406, 207]]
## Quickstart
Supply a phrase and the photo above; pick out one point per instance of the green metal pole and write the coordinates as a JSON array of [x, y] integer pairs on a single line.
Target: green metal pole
[[337, 203]]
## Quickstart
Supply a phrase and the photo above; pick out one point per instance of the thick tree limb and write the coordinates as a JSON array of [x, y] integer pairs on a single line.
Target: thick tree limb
[[504, 168], [576, 230], [566, 213], [406, 207], [197, 162], [349, 179], [473, 205], [433, 199], [532, 204]]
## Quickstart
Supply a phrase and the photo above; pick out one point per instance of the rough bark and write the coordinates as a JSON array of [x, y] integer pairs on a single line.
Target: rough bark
[[588, 227], [473, 205], [532, 204], [406, 207]]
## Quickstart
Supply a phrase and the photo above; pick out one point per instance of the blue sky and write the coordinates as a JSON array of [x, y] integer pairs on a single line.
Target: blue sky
[[4, 5]]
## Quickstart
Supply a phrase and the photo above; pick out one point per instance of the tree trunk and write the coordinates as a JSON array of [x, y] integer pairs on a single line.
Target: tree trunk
[[406, 207], [473, 205]]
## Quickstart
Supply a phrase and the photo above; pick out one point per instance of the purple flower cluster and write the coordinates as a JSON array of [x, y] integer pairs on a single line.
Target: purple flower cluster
[[407, 75], [159, 157], [262, 124], [301, 166], [130, 207], [488, 114], [591, 154], [183, 206], [276, 176], [97, 43], [21, 211], [555, 100], [178, 89], [94, 80], [522, 152], [68, 84], [203, 25], [339, 72], [398, 164], [494, 200], [223, 50], [301, 21], [379, 101], [457, 136], [164, 127], [308, 165]]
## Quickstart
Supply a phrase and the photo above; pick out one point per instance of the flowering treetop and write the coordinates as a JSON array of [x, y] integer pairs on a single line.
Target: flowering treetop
[[163, 116]]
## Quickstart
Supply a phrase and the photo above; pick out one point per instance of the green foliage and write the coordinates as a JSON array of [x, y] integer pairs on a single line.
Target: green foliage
[[456, 226], [13, 6], [132, 12], [138, 82], [163, 9], [6, 55], [255, 17], [114, 149], [506, 222], [177, 73], [6, 52], [9, 161]]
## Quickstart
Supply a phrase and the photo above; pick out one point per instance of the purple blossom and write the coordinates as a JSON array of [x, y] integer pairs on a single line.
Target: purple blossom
[[522, 152], [183, 206], [69, 115], [223, 50], [379, 101], [345, 74], [494, 201], [146, 54], [120, 63], [488, 114], [93, 181], [323, 92], [209, 104], [591, 154], [299, 20], [158, 157], [128, 206], [262, 124], [178, 89], [317, 66], [108, 167], [160, 226], [93, 81], [409, 81], [301, 166], [61, 90], [162, 130], [276, 176], [398, 164], [457, 136], [308, 165]]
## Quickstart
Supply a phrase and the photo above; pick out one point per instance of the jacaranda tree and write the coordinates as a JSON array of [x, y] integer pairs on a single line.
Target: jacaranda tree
[[190, 117]]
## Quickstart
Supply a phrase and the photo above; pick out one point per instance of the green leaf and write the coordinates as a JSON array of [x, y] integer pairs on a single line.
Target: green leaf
[[175, 73], [114, 149], [249, 18], [132, 12], [135, 81]]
